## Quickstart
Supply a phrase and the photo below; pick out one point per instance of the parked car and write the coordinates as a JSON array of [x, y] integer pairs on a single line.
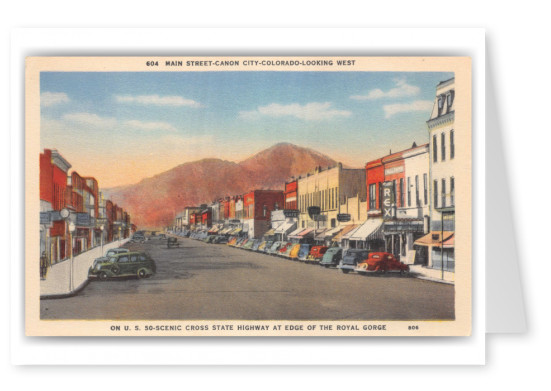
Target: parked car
[[172, 242], [352, 258], [381, 262], [303, 252], [293, 254], [332, 257], [220, 239], [128, 264], [248, 245], [316, 254], [256, 244], [261, 246], [242, 242], [232, 241], [267, 246], [285, 250], [209, 239], [275, 247]]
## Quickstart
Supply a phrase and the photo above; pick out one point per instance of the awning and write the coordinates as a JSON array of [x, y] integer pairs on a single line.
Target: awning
[[214, 230], [371, 229], [346, 229], [450, 242], [306, 232], [333, 231], [433, 239], [286, 227], [294, 234], [270, 232], [320, 235]]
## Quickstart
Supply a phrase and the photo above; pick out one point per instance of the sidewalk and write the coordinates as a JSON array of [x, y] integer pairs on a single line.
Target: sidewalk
[[435, 275], [56, 284]]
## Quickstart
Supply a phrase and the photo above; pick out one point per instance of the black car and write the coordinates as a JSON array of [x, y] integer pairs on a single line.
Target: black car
[[351, 259]]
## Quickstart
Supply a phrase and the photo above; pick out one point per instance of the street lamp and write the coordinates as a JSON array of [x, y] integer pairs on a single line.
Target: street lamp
[[102, 227], [71, 230], [120, 229]]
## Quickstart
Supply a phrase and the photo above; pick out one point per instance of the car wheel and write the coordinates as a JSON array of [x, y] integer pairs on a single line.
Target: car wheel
[[103, 276], [403, 272], [115, 270], [345, 271], [142, 273]]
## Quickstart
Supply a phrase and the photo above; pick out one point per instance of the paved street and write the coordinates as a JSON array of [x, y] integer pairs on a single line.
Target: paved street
[[201, 281]]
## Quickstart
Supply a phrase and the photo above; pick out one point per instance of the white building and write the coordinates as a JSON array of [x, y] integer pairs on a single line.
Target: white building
[[443, 167]]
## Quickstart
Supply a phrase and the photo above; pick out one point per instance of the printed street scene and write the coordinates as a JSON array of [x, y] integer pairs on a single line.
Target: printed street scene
[[250, 195]]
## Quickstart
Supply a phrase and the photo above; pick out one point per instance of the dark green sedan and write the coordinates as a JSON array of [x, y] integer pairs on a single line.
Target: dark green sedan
[[128, 264]]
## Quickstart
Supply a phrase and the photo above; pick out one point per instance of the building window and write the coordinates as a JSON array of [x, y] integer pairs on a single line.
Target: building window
[[425, 188], [443, 193], [402, 192], [394, 192], [372, 196], [435, 194], [417, 200], [452, 145], [434, 149], [452, 191], [449, 102], [443, 147], [333, 223], [440, 104], [380, 194], [409, 191]]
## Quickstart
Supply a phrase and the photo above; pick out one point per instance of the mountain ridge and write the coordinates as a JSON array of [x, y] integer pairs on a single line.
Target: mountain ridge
[[153, 202]]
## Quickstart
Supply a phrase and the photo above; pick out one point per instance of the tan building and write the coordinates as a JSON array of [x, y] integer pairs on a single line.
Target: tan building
[[329, 189]]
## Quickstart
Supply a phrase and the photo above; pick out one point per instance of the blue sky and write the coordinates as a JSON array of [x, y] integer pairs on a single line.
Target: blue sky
[[123, 126]]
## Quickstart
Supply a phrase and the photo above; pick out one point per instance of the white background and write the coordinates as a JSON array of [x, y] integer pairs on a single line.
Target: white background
[[517, 49]]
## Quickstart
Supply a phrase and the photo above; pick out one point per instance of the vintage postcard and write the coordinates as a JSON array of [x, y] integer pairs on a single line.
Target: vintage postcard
[[248, 196]]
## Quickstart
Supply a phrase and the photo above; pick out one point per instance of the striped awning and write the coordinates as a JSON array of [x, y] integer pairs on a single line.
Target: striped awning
[[346, 229], [369, 230]]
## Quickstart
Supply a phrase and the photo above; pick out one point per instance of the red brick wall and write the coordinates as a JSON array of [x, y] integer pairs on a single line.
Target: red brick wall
[[375, 173]]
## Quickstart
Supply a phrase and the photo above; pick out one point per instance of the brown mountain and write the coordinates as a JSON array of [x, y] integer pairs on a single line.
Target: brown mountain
[[154, 202]]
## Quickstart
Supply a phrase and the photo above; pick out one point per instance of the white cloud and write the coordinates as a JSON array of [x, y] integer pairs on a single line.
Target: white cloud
[[149, 125], [156, 100], [314, 111], [418, 105], [90, 120], [94, 121], [48, 99], [402, 89]]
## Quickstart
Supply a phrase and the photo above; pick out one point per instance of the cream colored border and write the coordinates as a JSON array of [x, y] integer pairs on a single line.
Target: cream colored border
[[462, 326]]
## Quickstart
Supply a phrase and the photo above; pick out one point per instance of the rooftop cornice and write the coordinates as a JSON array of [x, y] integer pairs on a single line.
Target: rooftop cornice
[[442, 120]]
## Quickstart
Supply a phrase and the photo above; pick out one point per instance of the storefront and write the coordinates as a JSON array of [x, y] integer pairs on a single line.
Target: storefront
[[436, 250], [400, 236], [368, 235]]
